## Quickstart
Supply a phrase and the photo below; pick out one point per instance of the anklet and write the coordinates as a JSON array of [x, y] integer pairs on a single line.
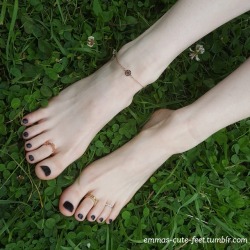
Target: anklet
[[126, 71]]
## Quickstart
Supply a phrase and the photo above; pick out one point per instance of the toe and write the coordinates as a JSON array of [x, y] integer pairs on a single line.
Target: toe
[[114, 213], [70, 199], [96, 210], [108, 206], [36, 142], [51, 167], [33, 131], [89, 210], [34, 117], [84, 208], [38, 154]]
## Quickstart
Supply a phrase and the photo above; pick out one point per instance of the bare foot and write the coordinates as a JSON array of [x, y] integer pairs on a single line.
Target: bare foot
[[114, 179], [73, 118]]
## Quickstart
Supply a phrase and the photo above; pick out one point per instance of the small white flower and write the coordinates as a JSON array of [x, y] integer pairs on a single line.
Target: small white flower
[[88, 245], [91, 41], [194, 55], [199, 50]]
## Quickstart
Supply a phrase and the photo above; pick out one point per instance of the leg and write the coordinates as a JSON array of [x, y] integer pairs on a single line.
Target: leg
[[115, 178], [226, 103], [86, 106]]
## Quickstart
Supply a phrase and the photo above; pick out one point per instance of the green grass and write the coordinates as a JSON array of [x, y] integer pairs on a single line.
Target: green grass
[[203, 192]]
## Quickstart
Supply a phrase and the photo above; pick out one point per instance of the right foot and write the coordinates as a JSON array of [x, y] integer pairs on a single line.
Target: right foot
[[115, 178], [74, 117]]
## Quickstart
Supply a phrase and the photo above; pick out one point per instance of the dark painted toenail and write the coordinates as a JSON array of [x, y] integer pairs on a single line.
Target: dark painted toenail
[[28, 145], [101, 219], [31, 157], [92, 217], [80, 216], [25, 121], [110, 220], [68, 206], [46, 170], [25, 134]]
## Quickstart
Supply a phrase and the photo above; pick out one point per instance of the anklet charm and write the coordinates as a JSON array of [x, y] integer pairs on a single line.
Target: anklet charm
[[127, 72]]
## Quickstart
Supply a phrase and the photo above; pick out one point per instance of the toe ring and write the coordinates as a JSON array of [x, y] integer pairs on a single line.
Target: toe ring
[[92, 197], [109, 205], [52, 145]]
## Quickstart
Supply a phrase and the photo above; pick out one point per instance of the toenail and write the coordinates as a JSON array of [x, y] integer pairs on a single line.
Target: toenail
[[110, 221], [46, 170], [80, 216], [101, 219], [25, 121], [28, 145], [68, 206], [31, 157], [25, 134], [92, 217]]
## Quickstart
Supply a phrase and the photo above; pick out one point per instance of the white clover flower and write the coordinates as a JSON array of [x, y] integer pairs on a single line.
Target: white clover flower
[[194, 55], [91, 41], [199, 50]]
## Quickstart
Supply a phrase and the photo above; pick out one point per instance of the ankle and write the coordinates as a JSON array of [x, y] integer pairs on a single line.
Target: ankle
[[185, 118], [141, 61], [199, 124], [176, 133]]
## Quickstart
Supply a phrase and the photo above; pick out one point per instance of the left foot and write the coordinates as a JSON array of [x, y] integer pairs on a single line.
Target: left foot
[[115, 178]]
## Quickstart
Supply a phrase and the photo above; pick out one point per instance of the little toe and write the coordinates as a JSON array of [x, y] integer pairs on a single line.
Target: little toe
[[33, 131], [108, 206], [70, 199], [38, 154], [114, 213], [34, 117], [36, 142]]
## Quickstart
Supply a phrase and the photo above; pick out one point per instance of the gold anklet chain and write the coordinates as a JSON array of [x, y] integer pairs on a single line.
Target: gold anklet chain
[[126, 71]]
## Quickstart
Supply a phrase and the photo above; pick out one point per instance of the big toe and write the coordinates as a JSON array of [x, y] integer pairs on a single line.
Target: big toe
[[71, 197], [51, 167]]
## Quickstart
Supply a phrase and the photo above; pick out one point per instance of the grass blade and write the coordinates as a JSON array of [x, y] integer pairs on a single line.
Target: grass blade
[[194, 197], [4, 202], [60, 10], [227, 228], [12, 24], [3, 11]]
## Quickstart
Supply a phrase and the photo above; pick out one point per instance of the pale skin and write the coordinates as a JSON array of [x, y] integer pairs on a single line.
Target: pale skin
[[90, 103]]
